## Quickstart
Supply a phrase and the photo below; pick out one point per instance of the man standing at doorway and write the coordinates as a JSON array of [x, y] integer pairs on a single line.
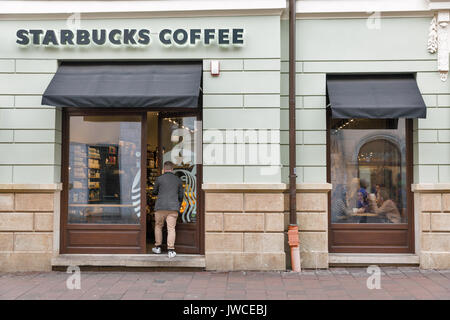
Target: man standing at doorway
[[169, 189]]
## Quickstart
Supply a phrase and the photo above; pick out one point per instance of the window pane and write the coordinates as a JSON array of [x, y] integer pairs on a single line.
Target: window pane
[[368, 171], [178, 145], [105, 170]]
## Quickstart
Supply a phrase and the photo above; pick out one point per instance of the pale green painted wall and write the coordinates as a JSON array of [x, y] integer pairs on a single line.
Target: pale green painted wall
[[241, 120], [251, 93], [244, 97], [30, 134], [349, 46]]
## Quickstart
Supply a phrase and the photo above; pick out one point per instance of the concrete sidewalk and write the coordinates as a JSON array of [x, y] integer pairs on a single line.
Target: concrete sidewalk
[[335, 283]]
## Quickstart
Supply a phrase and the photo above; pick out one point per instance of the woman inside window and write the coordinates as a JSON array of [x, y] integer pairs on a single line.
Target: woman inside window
[[387, 208]]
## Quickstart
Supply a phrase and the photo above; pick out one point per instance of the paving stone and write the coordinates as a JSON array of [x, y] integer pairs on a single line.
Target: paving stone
[[336, 283], [335, 271]]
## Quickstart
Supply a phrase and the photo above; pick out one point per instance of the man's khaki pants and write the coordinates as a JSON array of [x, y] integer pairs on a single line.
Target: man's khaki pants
[[171, 218]]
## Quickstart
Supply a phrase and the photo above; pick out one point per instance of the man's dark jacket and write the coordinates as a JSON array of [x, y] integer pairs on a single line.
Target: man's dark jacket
[[169, 189]]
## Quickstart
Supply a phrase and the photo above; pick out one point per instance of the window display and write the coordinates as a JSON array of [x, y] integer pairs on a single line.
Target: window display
[[153, 172], [104, 170], [368, 171]]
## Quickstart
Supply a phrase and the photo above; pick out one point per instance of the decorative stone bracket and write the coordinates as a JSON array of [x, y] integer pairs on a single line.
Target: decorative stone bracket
[[438, 41]]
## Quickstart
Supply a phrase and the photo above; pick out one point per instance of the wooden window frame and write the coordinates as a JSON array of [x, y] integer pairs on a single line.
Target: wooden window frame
[[410, 244]]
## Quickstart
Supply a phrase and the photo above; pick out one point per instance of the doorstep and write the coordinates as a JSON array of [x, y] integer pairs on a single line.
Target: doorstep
[[364, 259], [129, 260]]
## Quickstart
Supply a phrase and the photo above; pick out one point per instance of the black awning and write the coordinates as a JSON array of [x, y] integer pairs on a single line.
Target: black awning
[[375, 97], [124, 85]]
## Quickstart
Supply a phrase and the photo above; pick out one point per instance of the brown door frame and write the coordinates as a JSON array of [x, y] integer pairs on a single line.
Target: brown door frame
[[410, 245], [64, 226], [66, 114]]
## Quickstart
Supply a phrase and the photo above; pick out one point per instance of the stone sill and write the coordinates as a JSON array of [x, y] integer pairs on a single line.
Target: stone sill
[[314, 186], [24, 251], [430, 187], [129, 260], [16, 187], [259, 187], [362, 259]]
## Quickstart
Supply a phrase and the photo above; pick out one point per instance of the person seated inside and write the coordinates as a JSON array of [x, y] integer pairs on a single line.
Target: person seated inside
[[386, 209], [357, 199], [362, 202], [339, 208], [376, 190], [352, 194]]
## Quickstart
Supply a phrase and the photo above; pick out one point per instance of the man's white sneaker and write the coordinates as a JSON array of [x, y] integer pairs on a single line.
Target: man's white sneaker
[[171, 254], [156, 250]]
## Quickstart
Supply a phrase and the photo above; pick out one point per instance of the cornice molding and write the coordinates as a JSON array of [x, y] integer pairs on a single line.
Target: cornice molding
[[360, 6], [59, 9], [145, 8], [439, 4]]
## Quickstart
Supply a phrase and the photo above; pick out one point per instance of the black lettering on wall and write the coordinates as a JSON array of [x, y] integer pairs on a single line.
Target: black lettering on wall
[[66, 37], [22, 37], [224, 36], [112, 36], [50, 36], [36, 36], [128, 36], [144, 37], [83, 37], [209, 35], [195, 34], [238, 36], [99, 39], [184, 36], [162, 36]]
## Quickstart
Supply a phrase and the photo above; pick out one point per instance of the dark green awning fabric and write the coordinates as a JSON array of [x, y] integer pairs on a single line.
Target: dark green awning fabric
[[125, 85], [375, 97]]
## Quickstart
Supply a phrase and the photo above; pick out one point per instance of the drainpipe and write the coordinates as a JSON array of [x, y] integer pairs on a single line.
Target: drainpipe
[[293, 227]]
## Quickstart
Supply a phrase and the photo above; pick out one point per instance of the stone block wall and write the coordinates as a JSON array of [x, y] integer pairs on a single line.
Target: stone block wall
[[312, 221], [26, 230], [244, 229], [434, 226]]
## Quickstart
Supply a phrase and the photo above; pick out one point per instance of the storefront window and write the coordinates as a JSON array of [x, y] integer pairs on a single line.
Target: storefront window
[[368, 171], [178, 145], [105, 170]]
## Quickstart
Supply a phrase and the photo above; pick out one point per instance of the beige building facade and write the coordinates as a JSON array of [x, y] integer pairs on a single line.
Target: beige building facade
[[238, 216]]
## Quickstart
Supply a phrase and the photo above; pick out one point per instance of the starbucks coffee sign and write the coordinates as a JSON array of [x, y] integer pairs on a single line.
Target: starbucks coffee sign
[[130, 37]]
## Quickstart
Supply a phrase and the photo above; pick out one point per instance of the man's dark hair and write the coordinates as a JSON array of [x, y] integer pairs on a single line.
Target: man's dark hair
[[363, 183], [168, 166]]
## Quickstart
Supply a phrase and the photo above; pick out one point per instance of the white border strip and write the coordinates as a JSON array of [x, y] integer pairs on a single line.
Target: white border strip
[[58, 7], [348, 6]]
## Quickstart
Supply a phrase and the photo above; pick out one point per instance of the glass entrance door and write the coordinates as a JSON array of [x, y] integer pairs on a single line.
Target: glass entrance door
[[179, 143], [103, 194]]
